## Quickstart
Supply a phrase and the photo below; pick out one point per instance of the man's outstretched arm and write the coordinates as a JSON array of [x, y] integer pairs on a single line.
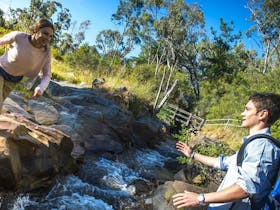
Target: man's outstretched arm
[[190, 199]]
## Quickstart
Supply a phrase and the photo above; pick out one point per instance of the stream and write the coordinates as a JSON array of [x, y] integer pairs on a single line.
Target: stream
[[103, 184]]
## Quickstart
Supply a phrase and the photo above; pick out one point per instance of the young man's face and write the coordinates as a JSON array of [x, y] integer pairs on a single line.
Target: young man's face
[[250, 116]]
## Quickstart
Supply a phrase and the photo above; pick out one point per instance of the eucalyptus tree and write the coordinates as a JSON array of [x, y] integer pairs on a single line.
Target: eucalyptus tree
[[179, 32], [217, 53], [85, 56], [266, 16], [223, 56], [128, 14], [110, 43], [65, 44], [80, 35], [165, 29]]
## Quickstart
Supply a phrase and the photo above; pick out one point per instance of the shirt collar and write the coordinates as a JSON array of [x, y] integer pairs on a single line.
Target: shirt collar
[[262, 131]]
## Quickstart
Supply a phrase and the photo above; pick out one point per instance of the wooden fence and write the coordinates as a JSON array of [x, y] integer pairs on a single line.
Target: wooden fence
[[190, 120], [224, 122]]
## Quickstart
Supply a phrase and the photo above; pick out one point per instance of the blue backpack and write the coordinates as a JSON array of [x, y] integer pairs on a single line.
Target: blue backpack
[[272, 201]]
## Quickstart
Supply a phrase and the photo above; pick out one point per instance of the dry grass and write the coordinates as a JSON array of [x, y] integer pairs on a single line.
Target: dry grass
[[232, 136], [142, 90], [64, 72]]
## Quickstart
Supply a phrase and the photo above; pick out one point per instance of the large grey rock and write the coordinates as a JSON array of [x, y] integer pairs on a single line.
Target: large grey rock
[[44, 113], [161, 199]]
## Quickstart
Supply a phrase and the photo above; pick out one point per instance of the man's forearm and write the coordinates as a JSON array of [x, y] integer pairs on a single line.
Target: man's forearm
[[234, 192], [206, 160]]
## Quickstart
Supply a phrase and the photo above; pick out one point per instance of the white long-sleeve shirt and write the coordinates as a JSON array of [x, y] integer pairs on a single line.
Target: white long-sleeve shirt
[[255, 176], [23, 59]]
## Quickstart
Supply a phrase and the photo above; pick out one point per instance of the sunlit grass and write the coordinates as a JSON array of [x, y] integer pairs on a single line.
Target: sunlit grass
[[114, 79], [231, 135]]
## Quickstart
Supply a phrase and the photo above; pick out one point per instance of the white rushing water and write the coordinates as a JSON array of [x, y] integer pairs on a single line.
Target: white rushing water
[[94, 189]]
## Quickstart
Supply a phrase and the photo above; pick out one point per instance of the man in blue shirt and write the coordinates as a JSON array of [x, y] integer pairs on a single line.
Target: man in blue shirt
[[259, 167]]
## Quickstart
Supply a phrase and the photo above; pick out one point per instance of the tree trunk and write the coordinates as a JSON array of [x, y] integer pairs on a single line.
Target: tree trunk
[[159, 90], [167, 95]]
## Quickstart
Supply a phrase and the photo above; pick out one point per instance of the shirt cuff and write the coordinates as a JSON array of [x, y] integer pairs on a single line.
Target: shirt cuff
[[44, 83], [219, 164]]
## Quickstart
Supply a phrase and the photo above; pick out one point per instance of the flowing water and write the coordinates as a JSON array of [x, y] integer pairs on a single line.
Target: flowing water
[[101, 184]]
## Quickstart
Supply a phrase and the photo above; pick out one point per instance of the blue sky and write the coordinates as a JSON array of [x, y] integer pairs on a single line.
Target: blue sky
[[99, 13]]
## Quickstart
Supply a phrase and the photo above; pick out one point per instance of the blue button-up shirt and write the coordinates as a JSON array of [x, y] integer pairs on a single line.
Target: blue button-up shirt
[[255, 176]]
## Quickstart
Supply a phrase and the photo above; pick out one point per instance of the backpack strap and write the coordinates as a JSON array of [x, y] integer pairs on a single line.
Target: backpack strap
[[240, 154]]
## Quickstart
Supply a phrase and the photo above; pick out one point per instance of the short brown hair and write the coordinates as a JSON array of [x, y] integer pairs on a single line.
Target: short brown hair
[[41, 23], [270, 102]]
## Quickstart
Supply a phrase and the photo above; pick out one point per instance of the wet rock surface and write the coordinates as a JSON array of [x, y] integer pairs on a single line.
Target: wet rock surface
[[76, 149]]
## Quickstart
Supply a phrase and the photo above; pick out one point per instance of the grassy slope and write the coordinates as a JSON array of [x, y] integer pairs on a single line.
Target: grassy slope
[[232, 136], [144, 90], [62, 71]]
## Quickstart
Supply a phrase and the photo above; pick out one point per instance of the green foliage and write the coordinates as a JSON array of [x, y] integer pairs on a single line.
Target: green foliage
[[58, 77], [143, 73], [212, 150], [3, 31], [2, 50], [139, 107], [22, 88], [168, 195], [109, 41], [265, 19], [56, 54], [163, 116], [236, 94], [275, 130], [183, 134], [85, 56]]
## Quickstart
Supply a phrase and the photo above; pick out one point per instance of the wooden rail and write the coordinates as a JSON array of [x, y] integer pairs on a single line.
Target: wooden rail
[[224, 122], [190, 120]]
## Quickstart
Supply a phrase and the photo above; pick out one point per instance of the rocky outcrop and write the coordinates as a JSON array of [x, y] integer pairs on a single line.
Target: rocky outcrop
[[32, 154], [99, 123], [50, 135]]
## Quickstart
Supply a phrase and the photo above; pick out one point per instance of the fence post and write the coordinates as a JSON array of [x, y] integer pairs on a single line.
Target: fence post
[[189, 119], [201, 124], [175, 112], [226, 125]]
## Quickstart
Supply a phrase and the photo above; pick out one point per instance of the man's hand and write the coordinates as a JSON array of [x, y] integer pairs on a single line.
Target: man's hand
[[184, 148], [185, 199], [37, 92]]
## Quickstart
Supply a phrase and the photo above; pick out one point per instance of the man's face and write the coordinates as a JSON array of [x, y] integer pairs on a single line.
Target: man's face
[[250, 116]]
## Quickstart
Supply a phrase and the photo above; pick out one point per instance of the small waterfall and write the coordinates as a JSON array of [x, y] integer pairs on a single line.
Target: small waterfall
[[101, 184], [119, 176], [149, 159]]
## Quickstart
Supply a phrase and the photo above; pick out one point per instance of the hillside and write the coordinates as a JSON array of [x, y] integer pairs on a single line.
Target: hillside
[[229, 135]]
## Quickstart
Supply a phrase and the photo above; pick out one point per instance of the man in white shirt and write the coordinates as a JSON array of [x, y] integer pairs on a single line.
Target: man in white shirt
[[259, 167]]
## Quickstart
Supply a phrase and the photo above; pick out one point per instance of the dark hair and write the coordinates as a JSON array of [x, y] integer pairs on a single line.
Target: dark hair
[[41, 23], [270, 102]]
